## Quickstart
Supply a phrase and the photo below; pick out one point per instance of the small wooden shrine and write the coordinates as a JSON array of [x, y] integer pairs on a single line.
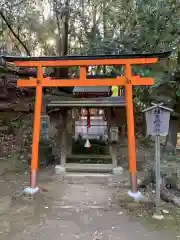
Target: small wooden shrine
[[91, 92], [97, 116]]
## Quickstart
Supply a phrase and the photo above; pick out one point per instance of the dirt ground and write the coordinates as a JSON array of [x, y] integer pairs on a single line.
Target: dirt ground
[[73, 211], [67, 211]]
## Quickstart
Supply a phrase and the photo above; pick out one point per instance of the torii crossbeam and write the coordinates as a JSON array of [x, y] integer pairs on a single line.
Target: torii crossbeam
[[128, 81]]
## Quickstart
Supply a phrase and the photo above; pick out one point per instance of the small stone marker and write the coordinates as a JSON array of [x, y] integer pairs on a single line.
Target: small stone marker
[[117, 171], [60, 171], [114, 134], [116, 179]]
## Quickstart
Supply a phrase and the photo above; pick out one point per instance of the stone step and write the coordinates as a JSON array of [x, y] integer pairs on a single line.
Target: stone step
[[89, 168], [93, 178], [89, 159], [89, 156]]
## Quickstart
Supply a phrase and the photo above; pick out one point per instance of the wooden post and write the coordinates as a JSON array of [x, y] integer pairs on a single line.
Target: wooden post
[[158, 174], [130, 126], [36, 128]]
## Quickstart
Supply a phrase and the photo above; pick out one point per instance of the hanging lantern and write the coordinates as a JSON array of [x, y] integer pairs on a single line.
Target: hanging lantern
[[87, 144]]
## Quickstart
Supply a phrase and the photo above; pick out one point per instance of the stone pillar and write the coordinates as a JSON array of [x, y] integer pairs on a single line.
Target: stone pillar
[[45, 147], [113, 135], [45, 126], [114, 154], [62, 142], [64, 137]]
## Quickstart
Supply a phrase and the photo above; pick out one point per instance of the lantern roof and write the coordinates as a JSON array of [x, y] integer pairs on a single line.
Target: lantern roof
[[160, 105]]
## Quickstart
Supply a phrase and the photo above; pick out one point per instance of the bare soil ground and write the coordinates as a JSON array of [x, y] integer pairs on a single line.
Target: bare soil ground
[[72, 211], [76, 211]]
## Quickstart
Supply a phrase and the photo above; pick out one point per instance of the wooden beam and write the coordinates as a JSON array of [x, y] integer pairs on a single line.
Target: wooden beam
[[27, 83], [119, 81], [142, 81]]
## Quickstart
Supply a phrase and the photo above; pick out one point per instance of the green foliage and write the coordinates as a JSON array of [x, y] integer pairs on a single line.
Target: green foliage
[[16, 124], [100, 27], [97, 26], [178, 93]]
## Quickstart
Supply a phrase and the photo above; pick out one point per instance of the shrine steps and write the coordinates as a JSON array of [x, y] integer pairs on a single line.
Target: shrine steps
[[91, 178], [89, 168]]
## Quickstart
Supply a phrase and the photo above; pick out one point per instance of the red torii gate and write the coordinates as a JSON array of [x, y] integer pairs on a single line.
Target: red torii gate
[[128, 80]]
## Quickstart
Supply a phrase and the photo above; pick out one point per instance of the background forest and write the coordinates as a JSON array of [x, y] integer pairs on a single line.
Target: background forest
[[68, 27]]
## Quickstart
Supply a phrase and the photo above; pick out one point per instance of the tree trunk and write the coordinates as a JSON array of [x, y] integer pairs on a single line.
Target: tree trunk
[[171, 139], [82, 6], [66, 29], [63, 43]]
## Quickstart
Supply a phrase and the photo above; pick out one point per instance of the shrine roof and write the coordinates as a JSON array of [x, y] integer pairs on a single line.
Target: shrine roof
[[93, 102], [90, 57]]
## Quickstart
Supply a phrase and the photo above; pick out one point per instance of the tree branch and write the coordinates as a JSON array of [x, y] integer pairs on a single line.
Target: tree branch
[[14, 33]]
